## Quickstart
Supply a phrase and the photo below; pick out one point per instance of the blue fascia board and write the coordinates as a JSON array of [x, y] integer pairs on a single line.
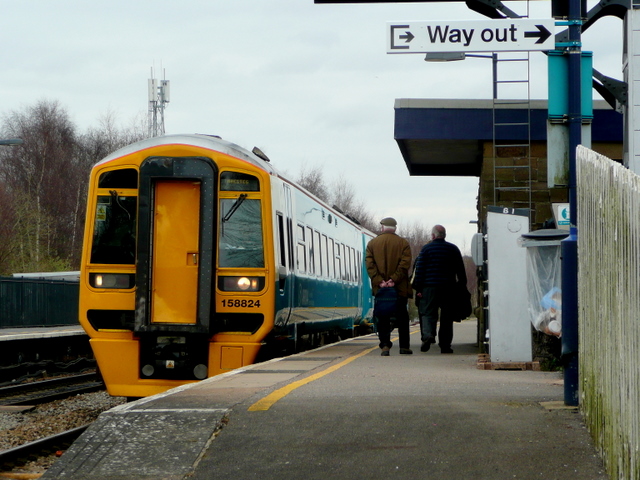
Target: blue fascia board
[[477, 124]]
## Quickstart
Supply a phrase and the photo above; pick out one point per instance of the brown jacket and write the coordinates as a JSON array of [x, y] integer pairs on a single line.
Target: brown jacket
[[389, 257]]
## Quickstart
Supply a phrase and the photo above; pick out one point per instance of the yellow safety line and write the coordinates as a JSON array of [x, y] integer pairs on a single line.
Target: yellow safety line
[[266, 403], [273, 397]]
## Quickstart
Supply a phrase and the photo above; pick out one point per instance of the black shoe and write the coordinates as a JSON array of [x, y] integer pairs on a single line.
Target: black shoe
[[446, 350], [425, 346], [406, 351], [385, 351]]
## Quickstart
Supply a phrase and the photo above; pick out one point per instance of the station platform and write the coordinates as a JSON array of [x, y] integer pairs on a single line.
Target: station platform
[[30, 333], [344, 412]]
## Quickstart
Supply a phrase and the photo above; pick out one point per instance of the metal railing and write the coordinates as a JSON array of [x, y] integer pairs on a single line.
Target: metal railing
[[38, 303], [609, 309]]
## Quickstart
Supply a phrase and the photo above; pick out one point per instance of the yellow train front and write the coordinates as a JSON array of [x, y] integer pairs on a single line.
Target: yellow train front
[[185, 259]]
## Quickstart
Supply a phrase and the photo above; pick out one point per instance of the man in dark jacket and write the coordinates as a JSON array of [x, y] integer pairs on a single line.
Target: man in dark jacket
[[388, 260], [439, 267]]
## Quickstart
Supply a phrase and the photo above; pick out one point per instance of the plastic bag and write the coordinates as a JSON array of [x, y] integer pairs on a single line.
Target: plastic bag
[[543, 281], [549, 320]]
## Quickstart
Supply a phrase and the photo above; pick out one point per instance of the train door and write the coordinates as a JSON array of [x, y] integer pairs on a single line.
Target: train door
[[175, 251], [366, 295], [287, 263], [175, 258]]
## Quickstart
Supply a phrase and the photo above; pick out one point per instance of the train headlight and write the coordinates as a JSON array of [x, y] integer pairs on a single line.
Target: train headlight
[[244, 283], [240, 284], [112, 280]]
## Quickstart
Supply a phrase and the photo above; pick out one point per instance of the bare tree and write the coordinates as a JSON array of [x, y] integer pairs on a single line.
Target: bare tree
[[418, 236], [313, 181], [39, 173], [343, 197], [340, 195], [7, 228], [44, 184], [100, 141]]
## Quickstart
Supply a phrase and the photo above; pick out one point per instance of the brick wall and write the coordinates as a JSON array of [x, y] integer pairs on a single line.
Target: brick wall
[[542, 197]]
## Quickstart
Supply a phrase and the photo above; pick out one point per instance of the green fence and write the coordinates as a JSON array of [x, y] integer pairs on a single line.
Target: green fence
[[609, 309], [26, 302]]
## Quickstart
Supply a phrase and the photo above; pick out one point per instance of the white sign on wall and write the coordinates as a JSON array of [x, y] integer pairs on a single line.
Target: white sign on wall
[[561, 215], [513, 34]]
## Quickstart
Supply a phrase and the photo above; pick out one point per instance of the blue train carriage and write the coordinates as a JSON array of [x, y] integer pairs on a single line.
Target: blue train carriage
[[196, 253], [322, 285]]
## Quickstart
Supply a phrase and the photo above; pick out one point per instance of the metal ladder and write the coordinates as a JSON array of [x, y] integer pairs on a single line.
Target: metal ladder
[[512, 170]]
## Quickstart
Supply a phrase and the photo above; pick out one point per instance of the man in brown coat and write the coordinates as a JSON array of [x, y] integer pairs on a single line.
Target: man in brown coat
[[388, 260]]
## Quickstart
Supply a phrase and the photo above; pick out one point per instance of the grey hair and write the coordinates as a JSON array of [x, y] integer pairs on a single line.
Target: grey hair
[[438, 231]]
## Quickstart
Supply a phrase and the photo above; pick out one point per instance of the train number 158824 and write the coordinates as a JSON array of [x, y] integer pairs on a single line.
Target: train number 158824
[[235, 303]]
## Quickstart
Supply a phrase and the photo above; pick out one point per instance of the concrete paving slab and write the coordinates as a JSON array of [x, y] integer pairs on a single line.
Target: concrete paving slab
[[141, 444]]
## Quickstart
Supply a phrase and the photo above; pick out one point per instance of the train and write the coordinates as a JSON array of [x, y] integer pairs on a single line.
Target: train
[[198, 257]]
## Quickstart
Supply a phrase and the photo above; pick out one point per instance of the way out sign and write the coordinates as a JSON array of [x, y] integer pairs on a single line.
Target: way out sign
[[505, 35]]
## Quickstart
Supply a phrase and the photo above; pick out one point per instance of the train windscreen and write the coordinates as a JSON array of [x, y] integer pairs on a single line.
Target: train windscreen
[[240, 244], [114, 234]]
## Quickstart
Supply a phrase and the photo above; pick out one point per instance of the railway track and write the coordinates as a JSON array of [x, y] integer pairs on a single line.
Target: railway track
[[45, 446], [23, 398], [35, 393]]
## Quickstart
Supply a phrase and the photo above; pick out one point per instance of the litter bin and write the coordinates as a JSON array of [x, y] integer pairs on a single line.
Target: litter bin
[[544, 279]]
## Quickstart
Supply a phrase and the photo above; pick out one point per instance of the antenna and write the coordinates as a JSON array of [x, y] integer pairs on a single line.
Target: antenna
[[158, 98]]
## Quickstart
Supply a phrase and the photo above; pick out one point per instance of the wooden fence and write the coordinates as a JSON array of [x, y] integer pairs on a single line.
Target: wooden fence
[[609, 309]]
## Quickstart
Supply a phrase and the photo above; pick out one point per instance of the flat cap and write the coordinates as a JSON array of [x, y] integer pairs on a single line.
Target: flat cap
[[389, 222]]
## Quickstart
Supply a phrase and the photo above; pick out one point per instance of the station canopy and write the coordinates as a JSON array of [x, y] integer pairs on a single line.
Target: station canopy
[[439, 137]]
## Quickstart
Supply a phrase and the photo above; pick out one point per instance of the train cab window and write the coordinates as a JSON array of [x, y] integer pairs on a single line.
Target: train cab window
[[240, 244], [238, 182], [123, 178], [114, 233]]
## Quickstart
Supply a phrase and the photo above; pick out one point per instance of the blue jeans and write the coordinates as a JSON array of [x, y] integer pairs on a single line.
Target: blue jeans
[[436, 302]]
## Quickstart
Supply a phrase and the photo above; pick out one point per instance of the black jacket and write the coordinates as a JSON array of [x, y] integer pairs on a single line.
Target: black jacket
[[439, 263]]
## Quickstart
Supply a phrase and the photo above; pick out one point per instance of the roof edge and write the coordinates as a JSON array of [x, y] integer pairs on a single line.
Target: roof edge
[[478, 103]]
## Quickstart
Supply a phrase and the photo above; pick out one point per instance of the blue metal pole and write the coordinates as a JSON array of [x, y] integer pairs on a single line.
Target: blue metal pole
[[570, 245]]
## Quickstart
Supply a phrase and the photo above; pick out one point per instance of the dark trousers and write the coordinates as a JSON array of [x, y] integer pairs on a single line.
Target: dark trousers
[[401, 321], [436, 302]]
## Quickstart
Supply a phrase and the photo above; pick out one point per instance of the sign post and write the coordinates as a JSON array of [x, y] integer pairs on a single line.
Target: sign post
[[570, 244]]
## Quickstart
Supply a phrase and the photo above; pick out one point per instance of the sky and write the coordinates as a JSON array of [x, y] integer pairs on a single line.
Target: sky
[[310, 85]]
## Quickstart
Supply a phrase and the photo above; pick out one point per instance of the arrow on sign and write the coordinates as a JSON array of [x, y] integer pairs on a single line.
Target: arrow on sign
[[542, 34], [408, 37]]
